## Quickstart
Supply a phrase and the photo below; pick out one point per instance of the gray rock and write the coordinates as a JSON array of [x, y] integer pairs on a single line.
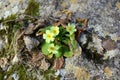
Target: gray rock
[[30, 42]]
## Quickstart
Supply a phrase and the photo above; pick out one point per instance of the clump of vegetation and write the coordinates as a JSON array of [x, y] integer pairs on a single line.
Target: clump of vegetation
[[59, 41], [12, 26], [33, 8], [9, 34]]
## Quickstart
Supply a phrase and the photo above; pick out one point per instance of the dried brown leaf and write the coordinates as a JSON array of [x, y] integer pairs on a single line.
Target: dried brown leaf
[[56, 24], [37, 56], [77, 35], [68, 13], [60, 23], [44, 65], [29, 29], [85, 23], [36, 59], [39, 25], [82, 21], [79, 30], [58, 63]]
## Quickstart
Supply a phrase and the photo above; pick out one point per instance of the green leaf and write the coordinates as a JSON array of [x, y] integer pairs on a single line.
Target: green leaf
[[45, 49], [68, 54], [66, 41], [58, 55], [73, 41], [62, 32]]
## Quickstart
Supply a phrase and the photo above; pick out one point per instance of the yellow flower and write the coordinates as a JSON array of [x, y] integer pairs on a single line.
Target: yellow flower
[[53, 49], [48, 36], [71, 28], [55, 30]]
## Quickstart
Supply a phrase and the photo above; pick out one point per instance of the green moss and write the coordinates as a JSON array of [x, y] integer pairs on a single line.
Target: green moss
[[10, 20], [11, 24], [22, 73], [11, 71], [33, 8], [10, 32], [11, 17], [49, 75]]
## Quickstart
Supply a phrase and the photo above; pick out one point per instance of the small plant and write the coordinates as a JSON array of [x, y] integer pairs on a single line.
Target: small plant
[[59, 41]]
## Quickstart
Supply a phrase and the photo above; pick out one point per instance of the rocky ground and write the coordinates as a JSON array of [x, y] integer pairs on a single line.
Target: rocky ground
[[103, 27]]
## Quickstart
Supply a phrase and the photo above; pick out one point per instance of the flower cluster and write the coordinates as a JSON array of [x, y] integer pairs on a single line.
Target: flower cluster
[[50, 34], [49, 37], [56, 39]]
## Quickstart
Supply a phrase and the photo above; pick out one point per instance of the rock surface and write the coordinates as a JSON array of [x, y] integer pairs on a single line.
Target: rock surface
[[104, 17], [30, 42]]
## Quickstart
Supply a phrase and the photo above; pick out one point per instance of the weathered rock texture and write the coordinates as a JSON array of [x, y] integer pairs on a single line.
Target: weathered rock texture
[[103, 16]]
